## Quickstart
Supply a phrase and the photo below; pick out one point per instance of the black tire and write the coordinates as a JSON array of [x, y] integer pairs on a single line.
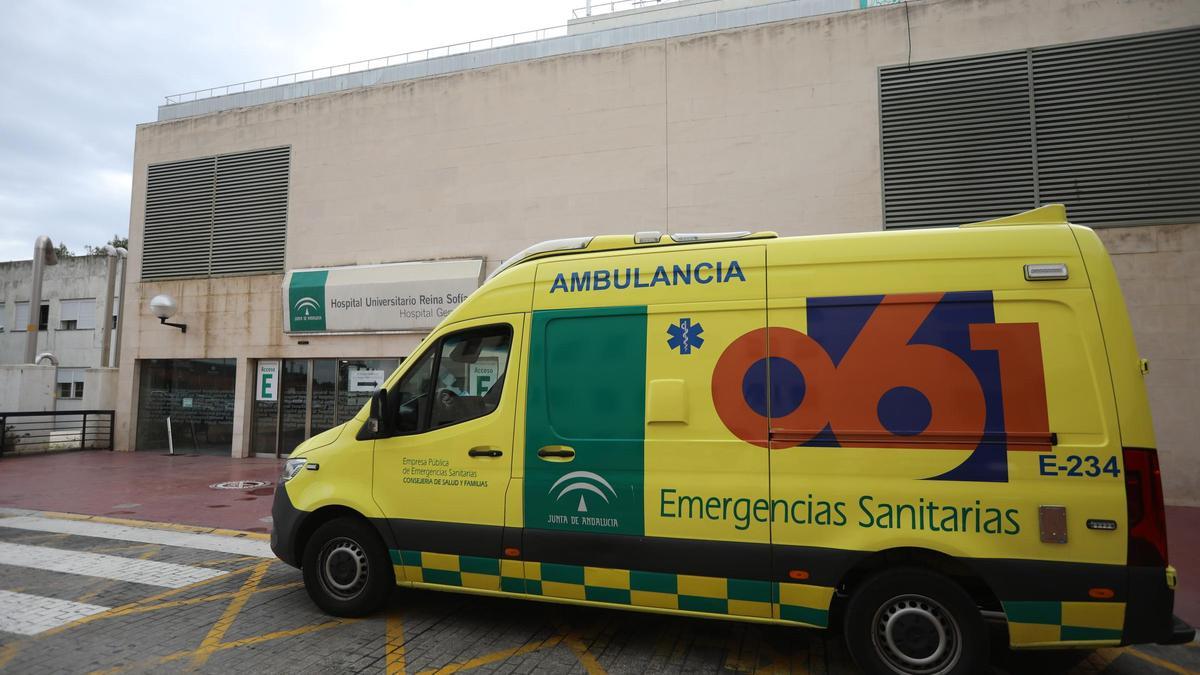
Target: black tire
[[347, 570], [934, 627]]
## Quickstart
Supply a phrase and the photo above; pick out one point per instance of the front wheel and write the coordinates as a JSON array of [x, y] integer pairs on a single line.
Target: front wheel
[[347, 571], [913, 622]]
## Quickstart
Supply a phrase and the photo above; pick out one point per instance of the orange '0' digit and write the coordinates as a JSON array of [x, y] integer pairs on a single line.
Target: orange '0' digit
[[1022, 380], [810, 417], [880, 359]]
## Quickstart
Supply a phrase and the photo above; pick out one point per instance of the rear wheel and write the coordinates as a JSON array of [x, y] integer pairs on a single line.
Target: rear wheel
[[913, 622], [347, 571]]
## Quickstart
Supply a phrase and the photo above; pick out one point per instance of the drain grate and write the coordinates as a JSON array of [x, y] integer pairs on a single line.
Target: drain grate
[[239, 485]]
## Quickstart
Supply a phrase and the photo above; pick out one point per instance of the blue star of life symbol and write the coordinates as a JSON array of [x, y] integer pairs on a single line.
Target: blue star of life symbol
[[685, 335]]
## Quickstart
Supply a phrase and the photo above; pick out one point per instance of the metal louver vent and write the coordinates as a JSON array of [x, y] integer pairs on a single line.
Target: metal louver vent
[[250, 214], [1118, 128], [956, 141], [176, 239], [1111, 128], [217, 215]]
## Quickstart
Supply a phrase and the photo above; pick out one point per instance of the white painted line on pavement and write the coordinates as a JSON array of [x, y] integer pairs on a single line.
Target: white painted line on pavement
[[144, 535], [31, 614], [150, 572]]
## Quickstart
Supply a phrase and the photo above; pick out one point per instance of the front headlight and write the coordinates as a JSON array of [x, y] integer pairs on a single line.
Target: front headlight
[[291, 468]]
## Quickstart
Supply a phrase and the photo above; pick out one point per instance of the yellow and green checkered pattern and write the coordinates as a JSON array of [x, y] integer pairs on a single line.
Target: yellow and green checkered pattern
[[799, 603], [1036, 622], [466, 571]]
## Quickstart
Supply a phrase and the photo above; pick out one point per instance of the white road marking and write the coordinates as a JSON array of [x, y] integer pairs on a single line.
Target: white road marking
[[150, 572], [31, 614], [144, 535]]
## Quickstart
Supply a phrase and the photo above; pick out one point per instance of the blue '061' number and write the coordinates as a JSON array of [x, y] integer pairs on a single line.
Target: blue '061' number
[[1077, 466]]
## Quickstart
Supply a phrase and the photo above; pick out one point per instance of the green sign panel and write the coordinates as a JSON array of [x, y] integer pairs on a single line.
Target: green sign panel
[[306, 300]]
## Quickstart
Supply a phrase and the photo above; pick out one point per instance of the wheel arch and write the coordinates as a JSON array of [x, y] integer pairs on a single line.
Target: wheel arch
[[956, 569], [323, 515]]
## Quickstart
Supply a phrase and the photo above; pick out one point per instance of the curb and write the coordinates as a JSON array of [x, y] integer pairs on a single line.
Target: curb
[[148, 524]]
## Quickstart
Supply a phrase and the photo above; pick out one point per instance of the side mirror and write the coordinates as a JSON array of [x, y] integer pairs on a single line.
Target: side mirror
[[380, 419]]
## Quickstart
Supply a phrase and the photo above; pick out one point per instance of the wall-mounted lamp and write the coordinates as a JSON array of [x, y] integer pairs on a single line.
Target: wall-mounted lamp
[[163, 306]]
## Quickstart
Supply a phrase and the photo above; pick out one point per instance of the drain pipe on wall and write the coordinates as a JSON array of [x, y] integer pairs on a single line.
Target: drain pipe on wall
[[43, 255], [110, 287], [116, 352]]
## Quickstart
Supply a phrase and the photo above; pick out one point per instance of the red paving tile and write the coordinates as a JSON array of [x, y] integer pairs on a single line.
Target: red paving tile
[[151, 486], [142, 486], [1183, 546]]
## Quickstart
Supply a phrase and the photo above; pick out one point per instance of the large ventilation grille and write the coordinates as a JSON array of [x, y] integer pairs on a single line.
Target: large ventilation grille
[[1110, 128], [179, 204], [956, 139], [1118, 126], [250, 216], [217, 215]]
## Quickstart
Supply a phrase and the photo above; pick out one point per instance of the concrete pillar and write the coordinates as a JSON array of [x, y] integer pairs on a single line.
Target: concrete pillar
[[243, 396]]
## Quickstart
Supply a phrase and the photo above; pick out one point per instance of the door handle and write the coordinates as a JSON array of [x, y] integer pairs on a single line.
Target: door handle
[[559, 451], [484, 451]]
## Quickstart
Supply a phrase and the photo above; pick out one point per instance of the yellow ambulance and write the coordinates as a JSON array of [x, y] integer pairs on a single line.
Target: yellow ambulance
[[908, 435]]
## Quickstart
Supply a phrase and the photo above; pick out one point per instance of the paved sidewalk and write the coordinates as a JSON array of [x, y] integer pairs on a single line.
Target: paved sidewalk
[[143, 486]]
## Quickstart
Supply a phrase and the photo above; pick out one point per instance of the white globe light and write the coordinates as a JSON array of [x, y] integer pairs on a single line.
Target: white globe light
[[163, 306]]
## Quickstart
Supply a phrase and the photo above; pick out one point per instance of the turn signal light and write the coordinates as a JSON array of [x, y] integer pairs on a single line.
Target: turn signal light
[[512, 552], [798, 574], [1101, 593]]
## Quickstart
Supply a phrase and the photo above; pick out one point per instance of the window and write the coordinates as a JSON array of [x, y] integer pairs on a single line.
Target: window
[[458, 379], [70, 382], [22, 318], [77, 314], [468, 382], [412, 395], [225, 214], [1107, 127]]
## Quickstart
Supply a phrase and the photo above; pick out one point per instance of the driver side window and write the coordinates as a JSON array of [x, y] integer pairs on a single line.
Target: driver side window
[[457, 379], [411, 395]]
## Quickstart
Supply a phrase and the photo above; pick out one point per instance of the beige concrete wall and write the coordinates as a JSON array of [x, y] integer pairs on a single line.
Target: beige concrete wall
[[27, 388], [1159, 271], [769, 127], [74, 277]]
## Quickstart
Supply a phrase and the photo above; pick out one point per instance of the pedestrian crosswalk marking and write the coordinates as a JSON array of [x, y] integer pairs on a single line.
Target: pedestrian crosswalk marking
[[25, 614], [150, 572], [145, 535]]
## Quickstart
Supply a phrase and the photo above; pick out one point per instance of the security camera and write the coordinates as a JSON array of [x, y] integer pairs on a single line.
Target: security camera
[[163, 306]]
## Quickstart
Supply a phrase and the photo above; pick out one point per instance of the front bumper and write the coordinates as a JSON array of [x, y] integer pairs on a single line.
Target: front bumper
[[285, 524]]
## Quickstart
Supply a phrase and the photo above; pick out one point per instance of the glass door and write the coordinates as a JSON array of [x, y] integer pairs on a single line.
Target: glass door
[[324, 395], [316, 395], [293, 428]]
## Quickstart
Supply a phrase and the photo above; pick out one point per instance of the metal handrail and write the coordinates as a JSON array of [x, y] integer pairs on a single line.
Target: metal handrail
[[409, 57], [65, 429], [596, 8], [369, 64]]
